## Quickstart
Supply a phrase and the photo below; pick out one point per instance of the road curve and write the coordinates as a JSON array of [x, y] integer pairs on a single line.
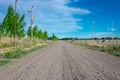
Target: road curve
[[63, 61]]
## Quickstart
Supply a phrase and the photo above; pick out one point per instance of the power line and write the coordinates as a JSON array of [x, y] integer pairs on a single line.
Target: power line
[[30, 11], [21, 8]]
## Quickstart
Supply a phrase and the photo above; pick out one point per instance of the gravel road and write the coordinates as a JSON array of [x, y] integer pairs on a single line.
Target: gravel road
[[63, 61]]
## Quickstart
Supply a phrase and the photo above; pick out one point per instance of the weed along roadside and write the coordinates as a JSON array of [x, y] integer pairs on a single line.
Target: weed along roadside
[[112, 50], [5, 62], [18, 52]]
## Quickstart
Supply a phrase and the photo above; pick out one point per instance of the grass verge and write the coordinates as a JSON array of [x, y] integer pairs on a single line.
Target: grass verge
[[113, 50], [7, 57], [109, 50], [20, 52], [5, 62]]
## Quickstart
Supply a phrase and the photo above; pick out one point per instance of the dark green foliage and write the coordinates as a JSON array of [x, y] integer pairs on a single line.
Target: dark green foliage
[[7, 26], [14, 54], [0, 30], [54, 38], [20, 32], [45, 36], [29, 31], [10, 54], [8, 22], [18, 53], [40, 34], [4, 62], [35, 31]]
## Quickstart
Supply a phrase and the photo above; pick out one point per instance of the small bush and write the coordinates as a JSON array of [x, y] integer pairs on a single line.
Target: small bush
[[10, 54], [4, 62], [1, 55], [19, 52], [14, 54], [114, 52], [18, 55]]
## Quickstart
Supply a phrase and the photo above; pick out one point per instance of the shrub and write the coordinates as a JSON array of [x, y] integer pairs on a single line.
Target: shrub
[[14, 54], [4, 62], [19, 53], [10, 54]]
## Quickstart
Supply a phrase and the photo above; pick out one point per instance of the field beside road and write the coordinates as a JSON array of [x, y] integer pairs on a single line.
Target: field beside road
[[25, 46], [108, 46]]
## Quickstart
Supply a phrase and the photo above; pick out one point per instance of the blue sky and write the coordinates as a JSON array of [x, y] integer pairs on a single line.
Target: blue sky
[[70, 18]]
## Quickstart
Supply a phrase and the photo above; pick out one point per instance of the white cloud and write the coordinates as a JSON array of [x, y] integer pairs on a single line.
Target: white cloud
[[51, 15]]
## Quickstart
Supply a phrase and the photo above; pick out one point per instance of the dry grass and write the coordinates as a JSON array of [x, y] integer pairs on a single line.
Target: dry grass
[[6, 44], [111, 49]]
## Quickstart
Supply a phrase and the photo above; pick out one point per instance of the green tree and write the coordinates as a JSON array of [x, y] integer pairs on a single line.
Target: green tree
[[40, 34], [8, 23], [1, 28], [35, 31], [0, 31], [20, 32], [54, 38], [29, 31], [45, 36]]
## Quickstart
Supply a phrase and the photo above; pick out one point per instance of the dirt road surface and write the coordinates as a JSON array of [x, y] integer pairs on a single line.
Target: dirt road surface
[[63, 61]]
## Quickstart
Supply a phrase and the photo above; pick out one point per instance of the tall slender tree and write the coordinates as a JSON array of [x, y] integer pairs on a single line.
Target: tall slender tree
[[29, 31], [54, 38], [45, 35], [35, 31], [40, 34], [0, 31], [8, 23], [20, 32]]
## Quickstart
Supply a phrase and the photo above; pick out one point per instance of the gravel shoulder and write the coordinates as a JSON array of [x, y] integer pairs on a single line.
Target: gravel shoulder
[[63, 61]]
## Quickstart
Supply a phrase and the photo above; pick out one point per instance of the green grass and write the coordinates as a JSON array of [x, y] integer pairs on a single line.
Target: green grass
[[14, 54], [5, 62], [38, 47], [19, 52], [110, 50], [2, 56], [25, 53]]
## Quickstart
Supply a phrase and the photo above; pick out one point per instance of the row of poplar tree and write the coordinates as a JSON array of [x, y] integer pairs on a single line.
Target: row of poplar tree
[[7, 27]]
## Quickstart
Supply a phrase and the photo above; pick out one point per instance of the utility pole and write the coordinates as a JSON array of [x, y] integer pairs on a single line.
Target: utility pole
[[92, 26], [30, 11], [112, 33], [15, 23], [108, 34], [113, 29]]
